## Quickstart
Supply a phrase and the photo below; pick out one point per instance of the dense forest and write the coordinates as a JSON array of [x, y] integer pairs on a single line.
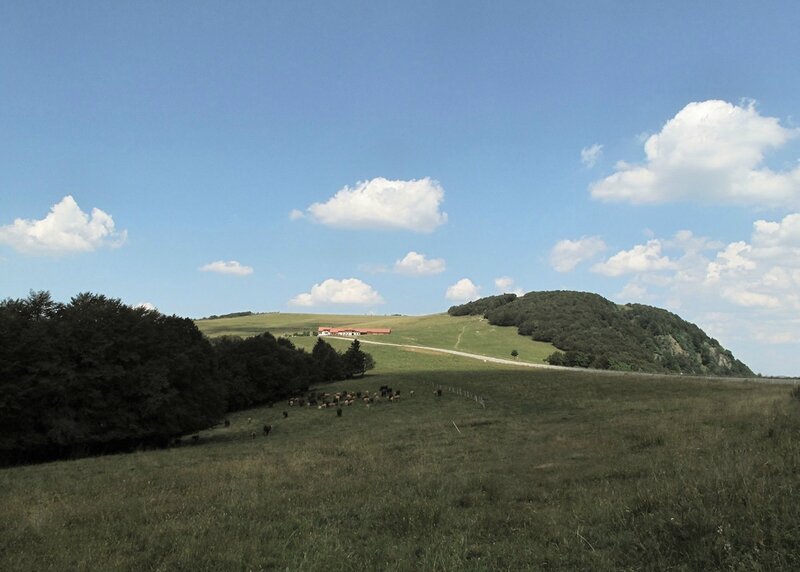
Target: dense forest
[[96, 375], [594, 332]]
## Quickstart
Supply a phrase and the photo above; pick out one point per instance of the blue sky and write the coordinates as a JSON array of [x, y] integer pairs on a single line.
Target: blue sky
[[371, 157]]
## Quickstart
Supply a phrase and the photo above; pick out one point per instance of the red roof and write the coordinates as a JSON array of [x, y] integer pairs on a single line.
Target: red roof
[[354, 330]]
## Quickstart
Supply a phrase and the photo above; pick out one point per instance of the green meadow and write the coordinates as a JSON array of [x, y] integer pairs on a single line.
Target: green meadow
[[555, 470], [471, 334]]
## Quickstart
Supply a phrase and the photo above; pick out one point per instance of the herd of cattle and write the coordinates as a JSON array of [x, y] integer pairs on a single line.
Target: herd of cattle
[[325, 400], [337, 400]]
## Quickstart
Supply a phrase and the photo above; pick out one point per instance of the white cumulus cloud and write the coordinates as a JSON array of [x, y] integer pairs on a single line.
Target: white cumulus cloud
[[416, 264], [687, 241], [383, 204], [506, 285], [65, 229], [713, 152], [641, 258], [332, 291], [733, 259], [764, 272], [146, 306], [590, 155], [463, 291], [772, 238], [750, 299], [567, 254], [632, 292], [227, 267]]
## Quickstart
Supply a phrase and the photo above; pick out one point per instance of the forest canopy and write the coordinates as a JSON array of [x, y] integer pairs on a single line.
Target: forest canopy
[[594, 332], [95, 375]]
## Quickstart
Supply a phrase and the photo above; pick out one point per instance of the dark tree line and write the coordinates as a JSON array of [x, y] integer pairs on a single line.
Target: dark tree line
[[230, 315], [481, 306], [96, 375], [263, 369], [333, 366]]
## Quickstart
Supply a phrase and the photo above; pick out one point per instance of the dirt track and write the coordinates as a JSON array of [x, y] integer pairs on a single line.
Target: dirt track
[[488, 359]]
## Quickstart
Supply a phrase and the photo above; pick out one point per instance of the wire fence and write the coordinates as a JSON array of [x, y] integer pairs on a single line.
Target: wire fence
[[461, 392]]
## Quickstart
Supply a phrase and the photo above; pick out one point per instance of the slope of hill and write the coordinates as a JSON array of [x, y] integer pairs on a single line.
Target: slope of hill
[[561, 470], [465, 333], [594, 332]]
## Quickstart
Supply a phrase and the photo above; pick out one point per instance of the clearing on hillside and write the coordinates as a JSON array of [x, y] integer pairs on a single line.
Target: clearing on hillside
[[470, 334]]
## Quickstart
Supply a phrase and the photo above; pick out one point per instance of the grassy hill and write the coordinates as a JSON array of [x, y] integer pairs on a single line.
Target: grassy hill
[[560, 470], [466, 333], [595, 332]]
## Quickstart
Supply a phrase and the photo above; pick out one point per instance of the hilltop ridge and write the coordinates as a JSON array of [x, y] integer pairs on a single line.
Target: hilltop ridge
[[592, 331]]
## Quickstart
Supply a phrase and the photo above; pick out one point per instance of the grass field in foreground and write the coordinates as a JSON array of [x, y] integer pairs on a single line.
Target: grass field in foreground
[[465, 333], [560, 471]]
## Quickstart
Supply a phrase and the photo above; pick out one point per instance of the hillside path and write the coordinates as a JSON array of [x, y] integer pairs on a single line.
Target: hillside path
[[488, 359], [460, 334], [459, 353]]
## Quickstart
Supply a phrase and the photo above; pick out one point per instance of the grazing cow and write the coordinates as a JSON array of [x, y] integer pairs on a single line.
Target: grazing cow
[[267, 429], [438, 393], [338, 412], [412, 393], [285, 414], [227, 423], [252, 434]]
